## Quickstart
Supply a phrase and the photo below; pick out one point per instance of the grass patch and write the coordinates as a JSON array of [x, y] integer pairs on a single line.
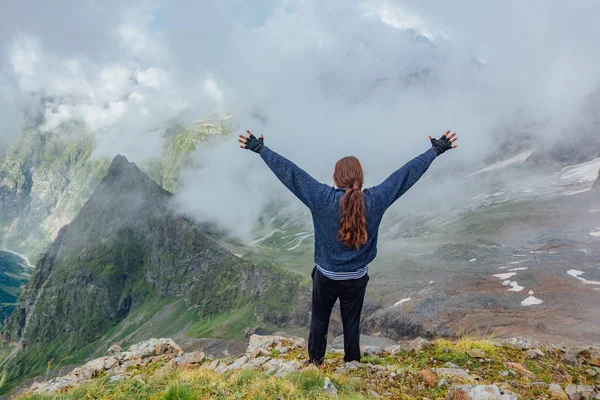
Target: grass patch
[[229, 325]]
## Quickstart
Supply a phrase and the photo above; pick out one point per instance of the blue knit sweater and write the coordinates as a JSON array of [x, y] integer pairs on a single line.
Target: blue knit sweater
[[323, 201]]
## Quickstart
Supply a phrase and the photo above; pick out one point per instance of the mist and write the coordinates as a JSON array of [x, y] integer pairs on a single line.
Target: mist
[[320, 80]]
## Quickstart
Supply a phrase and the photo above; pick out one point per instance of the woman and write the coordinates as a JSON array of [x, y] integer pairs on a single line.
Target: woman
[[346, 222]]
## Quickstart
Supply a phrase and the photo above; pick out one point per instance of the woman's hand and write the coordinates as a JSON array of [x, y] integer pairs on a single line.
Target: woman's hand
[[251, 142], [444, 143]]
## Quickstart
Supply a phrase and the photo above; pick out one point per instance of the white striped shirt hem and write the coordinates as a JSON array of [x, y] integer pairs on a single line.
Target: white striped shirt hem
[[342, 276]]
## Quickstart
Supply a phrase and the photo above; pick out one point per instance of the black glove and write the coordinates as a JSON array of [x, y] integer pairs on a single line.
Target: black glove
[[254, 144], [441, 145]]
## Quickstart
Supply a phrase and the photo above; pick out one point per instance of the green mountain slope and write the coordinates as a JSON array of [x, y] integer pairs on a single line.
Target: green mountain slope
[[127, 257]]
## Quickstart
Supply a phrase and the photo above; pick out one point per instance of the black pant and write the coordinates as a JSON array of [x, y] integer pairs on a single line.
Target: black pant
[[325, 292]]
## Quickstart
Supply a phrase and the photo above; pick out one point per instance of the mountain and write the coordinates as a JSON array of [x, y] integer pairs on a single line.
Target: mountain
[[47, 177], [128, 266], [44, 180], [597, 183], [14, 274]]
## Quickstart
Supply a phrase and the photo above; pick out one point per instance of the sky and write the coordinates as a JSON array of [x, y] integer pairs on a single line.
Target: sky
[[320, 80]]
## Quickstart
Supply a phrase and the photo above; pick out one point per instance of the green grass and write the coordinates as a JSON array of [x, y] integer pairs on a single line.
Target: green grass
[[229, 325]]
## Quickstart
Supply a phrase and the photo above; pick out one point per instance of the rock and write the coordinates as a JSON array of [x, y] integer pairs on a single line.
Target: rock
[[520, 369], [557, 392], [213, 365], [417, 345], [393, 350], [476, 353], [114, 349], [195, 357], [504, 373], [237, 364], [451, 365], [262, 345], [443, 382], [139, 379], [591, 372], [534, 354], [329, 388], [429, 377], [454, 373], [580, 392], [373, 394], [156, 347], [521, 343], [349, 366], [279, 367], [255, 362], [120, 377], [479, 392], [590, 356]]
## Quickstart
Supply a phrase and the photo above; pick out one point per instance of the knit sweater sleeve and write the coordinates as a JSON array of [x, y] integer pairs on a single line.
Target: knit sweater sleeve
[[402, 179], [306, 188]]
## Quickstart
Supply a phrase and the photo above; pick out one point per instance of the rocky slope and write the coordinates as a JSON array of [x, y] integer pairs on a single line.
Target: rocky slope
[[14, 274], [124, 252], [275, 367]]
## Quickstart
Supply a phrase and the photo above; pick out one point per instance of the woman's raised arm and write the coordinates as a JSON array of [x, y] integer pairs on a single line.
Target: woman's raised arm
[[406, 176], [306, 188]]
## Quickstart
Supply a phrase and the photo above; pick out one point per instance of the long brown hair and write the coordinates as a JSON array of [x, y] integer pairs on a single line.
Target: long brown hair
[[348, 174]]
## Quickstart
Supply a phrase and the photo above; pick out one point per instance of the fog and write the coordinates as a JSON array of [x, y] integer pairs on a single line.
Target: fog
[[320, 80]]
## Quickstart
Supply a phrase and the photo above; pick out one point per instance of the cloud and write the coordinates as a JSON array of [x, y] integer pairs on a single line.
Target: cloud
[[320, 79]]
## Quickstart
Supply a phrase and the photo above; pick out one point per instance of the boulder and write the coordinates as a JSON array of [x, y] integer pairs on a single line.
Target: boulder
[[590, 356], [263, 345], [237, 364], [155, 347], [195, 357], [557, 392], [580, 392], [417, 345], [279, 367], [479, 392]]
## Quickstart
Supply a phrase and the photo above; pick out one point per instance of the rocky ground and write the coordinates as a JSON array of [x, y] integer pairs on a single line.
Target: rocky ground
[[276, 367]]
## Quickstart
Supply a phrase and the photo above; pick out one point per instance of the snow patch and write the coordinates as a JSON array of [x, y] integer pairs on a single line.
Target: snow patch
[[585, 172], [474, 259], [518, 269], [515, 262], [518, 159], [575, 274], [514, 286], [531, 301], [595, 232], [505, 276], [430, 282], [402, 301]]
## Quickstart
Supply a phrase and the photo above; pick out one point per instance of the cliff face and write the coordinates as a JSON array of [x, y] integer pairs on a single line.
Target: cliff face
[[125, 246], [597, 183], [44, 181]]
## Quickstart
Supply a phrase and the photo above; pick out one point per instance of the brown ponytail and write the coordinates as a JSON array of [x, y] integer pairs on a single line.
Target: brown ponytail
[[349, 175]]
